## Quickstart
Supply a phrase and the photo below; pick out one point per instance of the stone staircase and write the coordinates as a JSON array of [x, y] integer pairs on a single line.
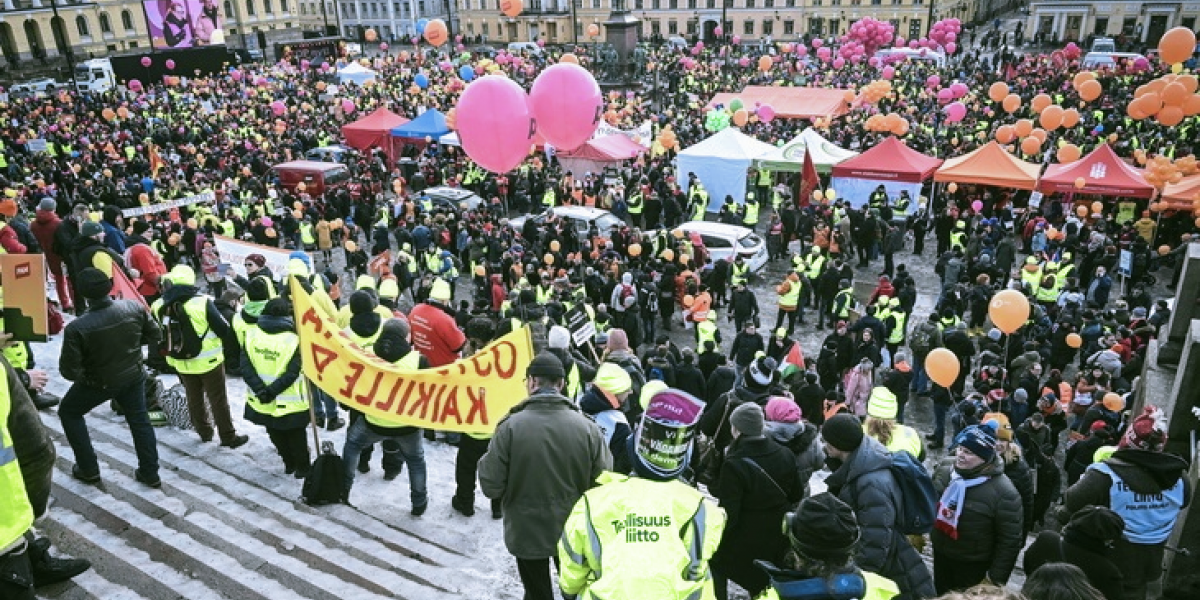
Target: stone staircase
[[223, 527]]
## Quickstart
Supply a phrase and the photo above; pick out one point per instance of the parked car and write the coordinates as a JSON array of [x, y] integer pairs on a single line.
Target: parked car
[[35, 87], [484, 51], [582, 217], [450, 199], [334, 153], [532, 48], [729, 241]]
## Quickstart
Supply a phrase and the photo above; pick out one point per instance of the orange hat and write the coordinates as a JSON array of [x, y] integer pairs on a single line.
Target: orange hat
[[8, 208]]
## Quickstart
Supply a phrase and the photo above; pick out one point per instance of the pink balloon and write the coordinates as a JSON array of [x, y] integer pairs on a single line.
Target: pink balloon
[[696, 51], [567, 103], [873, 61], [718, 31], [278, 107], [170, 65], [889, 72], [900, 43], [817, 43], [383, 46], [235, 75], [951, 48], [348, 105], [955, 112], [765, 113], [541, 43], [802, 51], [267, 222], [944, 95], [823, 53], [736, 39], [933, 81], [135, 85], [743, 62], [914, 44], [977, 206], [839, 63], [495, 125], [146, 62]]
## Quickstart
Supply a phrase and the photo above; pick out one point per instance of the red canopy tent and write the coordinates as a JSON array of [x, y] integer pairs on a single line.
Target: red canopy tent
[[1182, 195], [1103, 174], [373, 130], [594, 154], [790, 102], [889, 161]]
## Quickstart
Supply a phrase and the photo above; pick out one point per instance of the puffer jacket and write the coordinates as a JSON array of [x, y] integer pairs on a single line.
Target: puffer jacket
[[544, 455], [755, 498], [991, 522], [103, 348], [803, 440], [865, 482], [31, 442]]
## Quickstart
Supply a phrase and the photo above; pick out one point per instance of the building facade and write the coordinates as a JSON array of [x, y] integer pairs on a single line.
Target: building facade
[[30, 29], [393, 20], [1138, 24], [781, 20]]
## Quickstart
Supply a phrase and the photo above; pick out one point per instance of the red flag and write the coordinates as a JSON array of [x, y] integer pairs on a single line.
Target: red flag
[[156, 161], [124, 289], [808, 180]]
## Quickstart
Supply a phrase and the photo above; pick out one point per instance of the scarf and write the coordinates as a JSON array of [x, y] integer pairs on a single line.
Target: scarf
[[951, 505]]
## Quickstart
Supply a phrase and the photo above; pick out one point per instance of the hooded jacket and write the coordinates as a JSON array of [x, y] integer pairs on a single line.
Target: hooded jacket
[[273, 325], [991, 521], [865, 482], [803, 440], [757, 487], [45, 225], [612, 424], [1144, 471]]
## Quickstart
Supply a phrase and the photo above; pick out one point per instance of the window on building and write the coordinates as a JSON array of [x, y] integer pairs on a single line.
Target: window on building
[[655, 4], [595, 3], [834, 26], [552, 31], [768, 3], [749, 3], [768, 27], [816, 27], [691, 27], [283, 7], [485, 29], [639, 5], [421, 7], [789, 27], [817, 2], [127, 20], [228, 9], [748, 28], [250, 7], [672, 27], [1101, 26], [914, 29], [267, 8], [1188, 22], [790, 3], [105, 23], [710, 3], [655, 28], [82, 25], [691, 4], [1128, 26], [471, 27], [673, 4]]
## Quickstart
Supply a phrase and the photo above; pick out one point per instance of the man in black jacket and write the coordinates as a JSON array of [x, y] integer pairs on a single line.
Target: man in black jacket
[[90, 251], [743, 306], [102, 355]]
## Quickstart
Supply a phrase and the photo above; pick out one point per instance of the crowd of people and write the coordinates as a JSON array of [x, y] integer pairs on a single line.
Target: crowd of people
[[599, 470]]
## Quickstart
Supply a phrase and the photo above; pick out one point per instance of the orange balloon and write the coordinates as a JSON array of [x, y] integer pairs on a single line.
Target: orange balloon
[[1070, 118], [1069, 153], [569, 58], [1080, 183], [1038, 133], [436, 32], [1023, 127], [1051, 117], [1191, 107], [688, 301], [1040, 102], [1164, 250], [1097, 206], [942, 366], [740, 116], [1074, 341], [998, 91], [764, 63], [849, 96], [1009, 309], [1005, 134], [1135, 111], [1081, 210], [1174, 94], [511, 8], [1031, 145], [1081, 77], [901, 129], [1011, 103], [593, 30], [1170, 116], [1090, 90], [1177, 45], [1150, 104], [1189, 82], [1156, 85]]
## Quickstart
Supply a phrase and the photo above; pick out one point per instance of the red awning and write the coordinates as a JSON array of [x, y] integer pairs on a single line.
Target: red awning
[[373, 130], [1103, 174], [891, 160]]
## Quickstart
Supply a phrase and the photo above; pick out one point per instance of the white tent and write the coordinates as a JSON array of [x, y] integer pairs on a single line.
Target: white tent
[[355, 73], [790, 156], [721, 162]]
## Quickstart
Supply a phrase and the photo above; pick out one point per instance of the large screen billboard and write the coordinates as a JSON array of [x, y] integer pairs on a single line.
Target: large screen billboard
[[184, 23]]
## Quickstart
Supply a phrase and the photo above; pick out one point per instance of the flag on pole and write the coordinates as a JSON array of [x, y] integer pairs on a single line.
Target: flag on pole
[[124, 289], [156, 161], [792, 362], [809, 180]]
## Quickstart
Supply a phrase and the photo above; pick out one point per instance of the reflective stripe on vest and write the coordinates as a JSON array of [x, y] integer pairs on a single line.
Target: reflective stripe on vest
[[211, 354], [898, 330], [16, 514]]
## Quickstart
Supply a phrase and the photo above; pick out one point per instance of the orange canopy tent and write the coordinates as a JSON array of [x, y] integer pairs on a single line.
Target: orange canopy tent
[[1182, 195], [373, 130], [790, 102], [990, 165], [1103, 174]]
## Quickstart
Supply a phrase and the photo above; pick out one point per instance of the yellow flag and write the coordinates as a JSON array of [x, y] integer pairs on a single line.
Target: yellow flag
[[468, 396]]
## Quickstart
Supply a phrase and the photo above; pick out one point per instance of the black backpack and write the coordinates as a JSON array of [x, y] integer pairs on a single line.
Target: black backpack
[[180, 339], [325, 483]]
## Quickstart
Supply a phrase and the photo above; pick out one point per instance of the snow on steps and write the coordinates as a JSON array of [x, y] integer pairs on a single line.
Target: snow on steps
[[223, 527]]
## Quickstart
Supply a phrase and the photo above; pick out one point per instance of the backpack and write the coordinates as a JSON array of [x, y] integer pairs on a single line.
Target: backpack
[[626, 291], [325, 482], [180, 339], [921, 339], [918, 506], [174, 406]]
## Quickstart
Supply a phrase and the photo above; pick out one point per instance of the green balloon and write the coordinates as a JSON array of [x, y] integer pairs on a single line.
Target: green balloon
[[736, 104], [466, 56]]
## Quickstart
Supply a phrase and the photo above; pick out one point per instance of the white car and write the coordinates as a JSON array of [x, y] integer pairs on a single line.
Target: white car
[[582, 217], [729, 241], [36, 87]]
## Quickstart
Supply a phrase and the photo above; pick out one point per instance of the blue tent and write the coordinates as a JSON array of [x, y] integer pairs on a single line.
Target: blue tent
[[431, 123]]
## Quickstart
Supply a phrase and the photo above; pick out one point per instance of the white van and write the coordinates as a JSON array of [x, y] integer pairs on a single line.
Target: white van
[[923, 54], [531, 47], [676, 43], [1108, 60]]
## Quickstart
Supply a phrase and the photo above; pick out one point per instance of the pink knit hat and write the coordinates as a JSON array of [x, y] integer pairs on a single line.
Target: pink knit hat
[[782, 410]]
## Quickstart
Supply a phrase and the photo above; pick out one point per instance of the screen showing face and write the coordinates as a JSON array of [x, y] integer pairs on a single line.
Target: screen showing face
[[184, 23]]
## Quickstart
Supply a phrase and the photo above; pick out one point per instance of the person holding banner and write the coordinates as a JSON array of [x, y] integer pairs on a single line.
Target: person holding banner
[[544, 455]]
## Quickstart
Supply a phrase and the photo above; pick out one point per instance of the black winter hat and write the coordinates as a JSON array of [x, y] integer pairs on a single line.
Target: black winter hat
[[278, 307], [362, 302], [546, 365], [1094, 524], [93, 283], [823, 527], [843, 432]]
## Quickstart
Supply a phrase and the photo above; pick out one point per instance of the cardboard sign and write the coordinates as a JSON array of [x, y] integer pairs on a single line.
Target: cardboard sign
[[583, 330], [1125, 263], [23, 277]]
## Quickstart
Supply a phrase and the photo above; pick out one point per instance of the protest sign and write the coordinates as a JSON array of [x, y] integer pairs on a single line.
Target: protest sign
[[23, 297]]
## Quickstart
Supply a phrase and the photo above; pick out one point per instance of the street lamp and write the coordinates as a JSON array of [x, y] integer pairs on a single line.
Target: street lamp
[[60, 28]]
